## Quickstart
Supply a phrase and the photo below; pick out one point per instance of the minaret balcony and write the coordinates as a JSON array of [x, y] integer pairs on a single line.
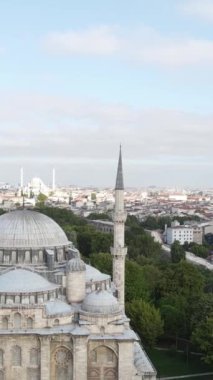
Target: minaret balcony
[[118, 251]]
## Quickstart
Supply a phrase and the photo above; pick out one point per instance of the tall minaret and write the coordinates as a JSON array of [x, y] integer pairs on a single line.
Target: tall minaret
[[119, 250], [53, 180], [21, 180]]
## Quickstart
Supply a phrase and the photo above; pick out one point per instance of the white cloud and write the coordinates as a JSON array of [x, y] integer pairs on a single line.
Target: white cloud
[[82, 138], [144, 46], [200, 8], [95, 41], [45, 126]]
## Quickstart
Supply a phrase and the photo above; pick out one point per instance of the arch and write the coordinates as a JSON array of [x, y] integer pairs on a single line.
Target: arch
[[63, 364], [5, 323], [29, 323], [16, 356], [17, 320], [1, 358], [34, 357], [56, 322], [103, 364]]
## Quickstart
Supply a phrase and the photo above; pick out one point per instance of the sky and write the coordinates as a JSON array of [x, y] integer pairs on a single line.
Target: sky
[[79, 78]]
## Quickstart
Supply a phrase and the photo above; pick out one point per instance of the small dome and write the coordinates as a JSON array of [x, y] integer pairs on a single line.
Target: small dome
[[100, 302], [25, 229], [24, 281], [75, 265]]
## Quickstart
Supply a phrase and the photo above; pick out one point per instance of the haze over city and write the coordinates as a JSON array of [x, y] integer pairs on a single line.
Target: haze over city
[[78, 79]]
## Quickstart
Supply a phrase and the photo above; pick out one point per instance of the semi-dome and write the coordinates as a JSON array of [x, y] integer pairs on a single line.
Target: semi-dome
[[31, 230], [24, 281], [75, 265], [100, 302]]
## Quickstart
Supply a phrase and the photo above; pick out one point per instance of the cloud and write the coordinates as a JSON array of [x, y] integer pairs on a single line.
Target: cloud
[[82, 137], [50, 127], [95, 41], [144, 46], [202, 9]]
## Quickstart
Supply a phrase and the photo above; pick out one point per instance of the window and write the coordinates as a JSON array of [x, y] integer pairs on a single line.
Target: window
[[34, 357], [16, 356], [29, 323], [17, 321], [56, 322], [1, 358], [5, 323]]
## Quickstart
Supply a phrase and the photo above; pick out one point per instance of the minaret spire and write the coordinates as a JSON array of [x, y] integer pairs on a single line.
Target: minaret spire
[[119, 179], [119, 249]]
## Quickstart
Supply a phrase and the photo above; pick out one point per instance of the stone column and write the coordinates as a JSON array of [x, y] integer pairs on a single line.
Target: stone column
[[80, 358], [125, 361], [45, 358]]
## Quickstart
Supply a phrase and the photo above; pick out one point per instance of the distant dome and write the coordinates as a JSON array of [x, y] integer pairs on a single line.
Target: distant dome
[[24, 281], [100, 302], [30, 229], [75, 265]]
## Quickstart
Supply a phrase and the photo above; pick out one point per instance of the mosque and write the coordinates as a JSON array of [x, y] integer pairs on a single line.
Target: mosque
[[61, 319]]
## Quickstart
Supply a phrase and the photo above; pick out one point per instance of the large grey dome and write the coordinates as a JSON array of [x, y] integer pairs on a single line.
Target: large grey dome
[[30, 229]]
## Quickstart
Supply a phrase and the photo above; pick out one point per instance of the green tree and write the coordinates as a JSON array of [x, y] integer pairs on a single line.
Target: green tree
[[135, 285], [102, 261], [199, 250], [177, 252], [203, 338], [41, 198], [146, 320], [96, 216]]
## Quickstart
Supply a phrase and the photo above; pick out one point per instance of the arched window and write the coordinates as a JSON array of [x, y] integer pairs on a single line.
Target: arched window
[[34, 357], [63, 364], [5, 323], [103, 364], [1, 358], [16, 356], [56, 322], [17, 321], [29, 323]]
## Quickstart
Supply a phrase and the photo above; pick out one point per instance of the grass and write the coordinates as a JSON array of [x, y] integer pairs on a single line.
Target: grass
[[169, 363]]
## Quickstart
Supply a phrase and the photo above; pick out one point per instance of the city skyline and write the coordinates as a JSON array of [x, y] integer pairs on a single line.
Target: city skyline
[[80, 79]]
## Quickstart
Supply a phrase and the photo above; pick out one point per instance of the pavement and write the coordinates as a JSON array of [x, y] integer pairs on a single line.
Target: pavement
[[189, 256]]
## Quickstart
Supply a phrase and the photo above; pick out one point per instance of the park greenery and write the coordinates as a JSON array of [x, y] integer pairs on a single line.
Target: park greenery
[[159, 222], [169, 301]]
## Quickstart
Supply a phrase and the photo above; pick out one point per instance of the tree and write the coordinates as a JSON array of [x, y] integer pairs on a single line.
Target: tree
[[174, 313], [199, 250], [177, 252], [41, 198], [102, 261], [96, 216], [146, 320], [203, 338], [135, 285]]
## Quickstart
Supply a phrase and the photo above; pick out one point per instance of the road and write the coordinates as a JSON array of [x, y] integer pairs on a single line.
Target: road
[[189, 256]]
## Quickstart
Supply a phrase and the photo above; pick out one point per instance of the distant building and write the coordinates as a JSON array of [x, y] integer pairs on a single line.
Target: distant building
[[187, 233], [102, 225]]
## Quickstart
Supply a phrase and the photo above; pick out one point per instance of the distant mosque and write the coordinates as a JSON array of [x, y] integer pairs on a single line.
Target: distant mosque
[[61, 319]]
